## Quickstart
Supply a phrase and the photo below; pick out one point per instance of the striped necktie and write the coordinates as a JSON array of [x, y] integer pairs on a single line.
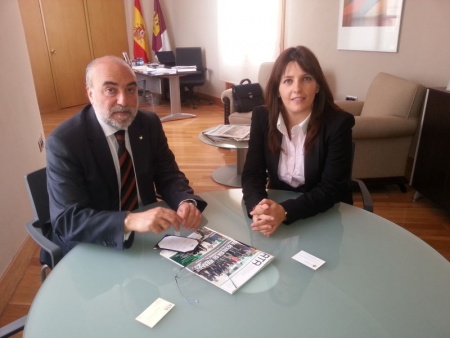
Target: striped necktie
[[128, 198]]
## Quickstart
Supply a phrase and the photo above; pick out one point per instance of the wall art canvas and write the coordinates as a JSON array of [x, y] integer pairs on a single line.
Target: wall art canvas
[[369, 25]]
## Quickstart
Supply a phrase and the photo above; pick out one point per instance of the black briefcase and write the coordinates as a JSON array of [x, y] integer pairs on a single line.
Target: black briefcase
[[246, 96]]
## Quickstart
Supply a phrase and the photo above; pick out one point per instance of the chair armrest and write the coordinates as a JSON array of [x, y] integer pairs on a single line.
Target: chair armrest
[[226, 110], [352, 107], [365, 194], [47, 245], [226, 93], [373, 127], [13, 327], [227, 99]]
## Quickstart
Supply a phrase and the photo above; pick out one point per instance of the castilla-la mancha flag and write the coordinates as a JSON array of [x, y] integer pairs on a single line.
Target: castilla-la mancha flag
[[160, 39], [140, 34]]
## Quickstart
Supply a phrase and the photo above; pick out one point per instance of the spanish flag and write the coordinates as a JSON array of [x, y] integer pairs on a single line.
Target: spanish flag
[[160, 38], [140, 34]]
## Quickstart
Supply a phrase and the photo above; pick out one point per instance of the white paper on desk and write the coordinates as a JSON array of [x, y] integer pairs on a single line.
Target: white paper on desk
[[153, 314], [177, 243], [144, 67], [309, 260]]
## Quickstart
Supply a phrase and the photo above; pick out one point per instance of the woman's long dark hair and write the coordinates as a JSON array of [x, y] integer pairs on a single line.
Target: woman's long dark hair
[[323, 101]]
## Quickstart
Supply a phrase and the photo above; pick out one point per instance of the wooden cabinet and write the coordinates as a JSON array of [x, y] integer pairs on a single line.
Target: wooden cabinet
[[63, 36], [431, 170]]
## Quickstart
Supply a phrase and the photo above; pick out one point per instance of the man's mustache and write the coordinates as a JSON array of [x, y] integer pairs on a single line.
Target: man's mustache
[[121, 109]]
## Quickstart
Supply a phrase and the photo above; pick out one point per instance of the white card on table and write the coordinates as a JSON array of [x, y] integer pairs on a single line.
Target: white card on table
[[153, 314], [309, 260]]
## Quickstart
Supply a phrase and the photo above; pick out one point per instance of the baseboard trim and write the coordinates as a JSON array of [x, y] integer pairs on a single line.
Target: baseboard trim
[[15, 271], [214, 100]]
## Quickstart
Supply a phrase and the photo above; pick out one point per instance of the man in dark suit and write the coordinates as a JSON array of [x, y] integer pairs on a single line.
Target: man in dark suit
[[83, 168]]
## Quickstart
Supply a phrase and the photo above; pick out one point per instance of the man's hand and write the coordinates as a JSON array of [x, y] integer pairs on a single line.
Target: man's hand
[[154, 220], [190, 216], [267, 217]]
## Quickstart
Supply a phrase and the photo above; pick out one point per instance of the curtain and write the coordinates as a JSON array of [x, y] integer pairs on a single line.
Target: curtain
[[249, 33]]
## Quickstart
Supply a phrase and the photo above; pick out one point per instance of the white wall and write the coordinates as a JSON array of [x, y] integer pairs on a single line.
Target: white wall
[[423, 54], [423, 50], [20, 130], [198, 29]]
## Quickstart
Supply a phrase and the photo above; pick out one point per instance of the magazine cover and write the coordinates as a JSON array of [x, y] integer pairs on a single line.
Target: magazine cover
[[221, 260]]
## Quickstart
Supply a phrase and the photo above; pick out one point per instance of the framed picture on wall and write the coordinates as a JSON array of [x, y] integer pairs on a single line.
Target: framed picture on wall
[[369, 25]]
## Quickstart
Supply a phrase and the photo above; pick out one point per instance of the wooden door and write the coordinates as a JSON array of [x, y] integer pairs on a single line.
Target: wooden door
[[108, 27], [69, 48], [38, 54]]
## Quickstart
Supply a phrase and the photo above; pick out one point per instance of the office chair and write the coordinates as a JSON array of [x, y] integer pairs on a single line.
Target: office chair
[[51, 254], [191, 56], [14, 327], [39, 228]]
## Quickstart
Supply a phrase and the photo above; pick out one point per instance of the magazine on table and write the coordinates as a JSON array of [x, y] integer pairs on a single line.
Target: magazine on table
[[221, 260], [225, 132]]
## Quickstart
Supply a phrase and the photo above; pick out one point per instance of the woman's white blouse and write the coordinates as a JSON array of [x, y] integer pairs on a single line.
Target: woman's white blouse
[[291, 167]]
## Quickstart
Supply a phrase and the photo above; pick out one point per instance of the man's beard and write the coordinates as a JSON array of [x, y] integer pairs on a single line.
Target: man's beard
[[122, 122]]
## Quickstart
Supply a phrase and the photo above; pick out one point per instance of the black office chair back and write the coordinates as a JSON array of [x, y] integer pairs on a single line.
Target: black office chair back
[[40, 228], [36, 183], [191, 56]]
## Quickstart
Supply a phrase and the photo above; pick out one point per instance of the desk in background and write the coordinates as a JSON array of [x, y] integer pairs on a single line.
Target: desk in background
[[378, 281], [174, 87]]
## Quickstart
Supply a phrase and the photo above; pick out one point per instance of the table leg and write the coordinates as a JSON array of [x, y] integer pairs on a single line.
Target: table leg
[[230, 175], [175, 101], [226, 175], [241, 154]]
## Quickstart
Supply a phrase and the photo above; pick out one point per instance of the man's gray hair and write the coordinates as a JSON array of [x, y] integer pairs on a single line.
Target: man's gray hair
[[92, 64]]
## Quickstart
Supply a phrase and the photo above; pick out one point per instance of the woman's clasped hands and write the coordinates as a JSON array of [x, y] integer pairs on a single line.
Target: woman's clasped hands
[[267, 216]]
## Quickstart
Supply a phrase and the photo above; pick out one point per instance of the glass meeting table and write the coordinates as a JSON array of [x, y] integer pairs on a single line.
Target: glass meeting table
[[379, 280]]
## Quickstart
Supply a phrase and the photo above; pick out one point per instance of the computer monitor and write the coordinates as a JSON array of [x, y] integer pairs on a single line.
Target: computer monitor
[[167, 58]]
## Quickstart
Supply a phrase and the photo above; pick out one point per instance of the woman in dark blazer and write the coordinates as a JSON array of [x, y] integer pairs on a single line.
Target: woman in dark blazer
[[299, 141]]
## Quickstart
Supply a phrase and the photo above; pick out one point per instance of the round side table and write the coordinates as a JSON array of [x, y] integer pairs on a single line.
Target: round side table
[[229, 175]]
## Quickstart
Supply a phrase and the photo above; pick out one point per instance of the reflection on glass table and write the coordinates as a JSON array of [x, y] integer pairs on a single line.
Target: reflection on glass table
[[378, 280]]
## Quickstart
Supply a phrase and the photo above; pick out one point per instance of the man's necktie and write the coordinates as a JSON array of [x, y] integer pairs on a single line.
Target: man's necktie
[[129, 199]]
